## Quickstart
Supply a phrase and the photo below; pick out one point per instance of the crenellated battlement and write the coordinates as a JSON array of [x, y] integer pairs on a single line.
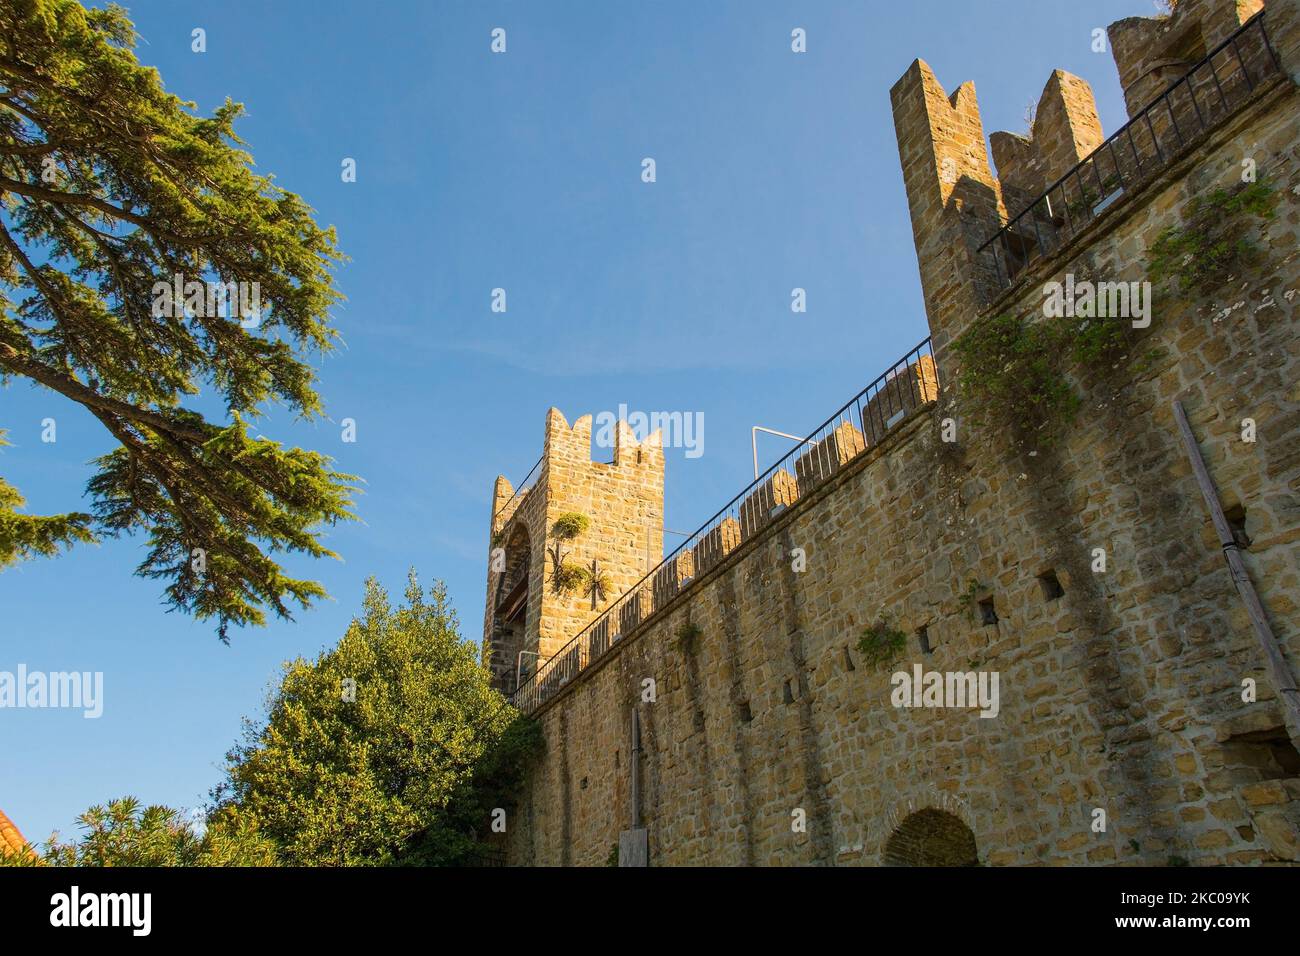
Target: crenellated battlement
[[572, 444], [954, 199], [941, 140], [906, 535], [528, 616], [1153, 52], [1065, 130], [1197, 65]]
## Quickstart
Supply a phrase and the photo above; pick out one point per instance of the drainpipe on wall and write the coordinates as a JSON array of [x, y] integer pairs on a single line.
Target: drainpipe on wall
[[634, 842], [1279, 673], [636, 769]]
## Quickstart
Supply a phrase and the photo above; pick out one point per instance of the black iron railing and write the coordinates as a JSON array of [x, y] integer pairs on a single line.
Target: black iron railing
[[487, 856], [1211, 91], [858, 426]]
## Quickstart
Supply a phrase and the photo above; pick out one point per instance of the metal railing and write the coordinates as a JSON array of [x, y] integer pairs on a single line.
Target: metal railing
[[487, 856], [1208, 93], [858, 426]]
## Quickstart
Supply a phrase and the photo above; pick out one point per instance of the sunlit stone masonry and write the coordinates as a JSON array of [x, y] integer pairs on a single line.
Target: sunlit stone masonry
[[732, 707]]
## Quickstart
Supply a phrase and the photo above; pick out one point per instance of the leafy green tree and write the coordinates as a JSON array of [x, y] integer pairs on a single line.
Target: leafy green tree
[[390, 748], [23, 536], [126, 834], [455, 837], [109, 186]]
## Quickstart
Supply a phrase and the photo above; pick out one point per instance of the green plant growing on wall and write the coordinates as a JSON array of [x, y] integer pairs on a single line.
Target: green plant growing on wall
[[1213, 243], [1094, 342], [1015, 368], [595, 584], [881, 643], [688, 634], [1012, 366], [969, 598], [570, 525], [566, 575], [612, 859]]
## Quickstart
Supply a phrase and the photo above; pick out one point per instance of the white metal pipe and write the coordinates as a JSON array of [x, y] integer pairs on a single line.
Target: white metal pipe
[[753, 436], [519, 665]]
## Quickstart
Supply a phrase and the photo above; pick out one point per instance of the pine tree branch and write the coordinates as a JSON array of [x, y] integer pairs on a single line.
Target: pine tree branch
[[33, 191]]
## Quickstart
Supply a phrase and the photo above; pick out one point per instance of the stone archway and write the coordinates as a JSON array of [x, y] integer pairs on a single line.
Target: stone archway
[[931, 837], [509, 633]]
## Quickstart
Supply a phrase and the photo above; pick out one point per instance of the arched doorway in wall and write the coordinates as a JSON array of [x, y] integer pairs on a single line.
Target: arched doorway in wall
[[931, 837], [510, 616]]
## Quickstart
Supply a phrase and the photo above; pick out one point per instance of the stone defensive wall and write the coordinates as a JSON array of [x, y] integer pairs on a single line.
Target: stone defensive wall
[[1136, 718]]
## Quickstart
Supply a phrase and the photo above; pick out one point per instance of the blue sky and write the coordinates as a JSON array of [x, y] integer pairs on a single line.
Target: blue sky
[[519, 171]]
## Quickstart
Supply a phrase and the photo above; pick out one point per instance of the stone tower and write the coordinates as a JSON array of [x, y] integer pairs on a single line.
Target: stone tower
[[957, 203], [528, 619], [954, 200], [1121, 684]]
